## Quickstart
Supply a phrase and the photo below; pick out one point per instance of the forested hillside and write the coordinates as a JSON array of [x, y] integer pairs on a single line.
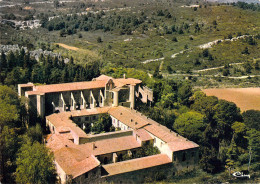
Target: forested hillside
[[175, 47]]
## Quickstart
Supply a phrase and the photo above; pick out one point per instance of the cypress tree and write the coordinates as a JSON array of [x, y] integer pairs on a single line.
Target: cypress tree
[[3, 62], [11, 60]]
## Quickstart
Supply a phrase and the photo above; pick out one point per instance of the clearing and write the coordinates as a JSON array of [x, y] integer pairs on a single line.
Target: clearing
[[67, 46], [244, 98]]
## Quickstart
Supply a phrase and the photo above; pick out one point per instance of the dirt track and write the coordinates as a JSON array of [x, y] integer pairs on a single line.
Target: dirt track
[[244, 98], [67, 46]]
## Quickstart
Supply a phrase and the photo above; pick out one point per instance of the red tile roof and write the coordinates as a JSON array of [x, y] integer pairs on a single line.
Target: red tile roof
[[182, 145], [136, 164], [51, 88], [142, 124], [102, 78], [129, 117], [62, 121], [74, 162], [143, 135], [110, 145], [98, 82], [78, 159], [26, 85]]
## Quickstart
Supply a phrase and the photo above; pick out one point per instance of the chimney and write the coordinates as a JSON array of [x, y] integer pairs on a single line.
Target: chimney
[[124, 75], [94, 146]]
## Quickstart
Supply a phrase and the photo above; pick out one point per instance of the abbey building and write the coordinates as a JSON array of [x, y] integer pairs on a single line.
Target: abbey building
[[82, 157]]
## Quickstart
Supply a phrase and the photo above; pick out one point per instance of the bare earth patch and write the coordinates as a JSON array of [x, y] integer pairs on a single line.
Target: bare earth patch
[[244, 98], [27, 8], [67, 46]]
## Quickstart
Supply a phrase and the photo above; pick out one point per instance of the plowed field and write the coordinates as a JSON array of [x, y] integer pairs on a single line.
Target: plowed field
[[244, 98]]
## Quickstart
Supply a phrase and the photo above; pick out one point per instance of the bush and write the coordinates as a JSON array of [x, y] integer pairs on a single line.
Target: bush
[[174, 39], [99, 40]]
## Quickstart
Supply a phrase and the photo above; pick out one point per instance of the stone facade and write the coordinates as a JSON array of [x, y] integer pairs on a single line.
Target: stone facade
[[47, 99]]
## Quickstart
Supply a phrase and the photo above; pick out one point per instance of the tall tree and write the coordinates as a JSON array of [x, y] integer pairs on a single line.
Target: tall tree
[[184, 93], [35, 164], [190, 125], [8, 116], [11, 60], [252, 119], [3, 61]]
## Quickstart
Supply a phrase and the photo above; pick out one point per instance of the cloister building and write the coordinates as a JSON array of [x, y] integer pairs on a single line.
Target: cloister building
[[87, 158]]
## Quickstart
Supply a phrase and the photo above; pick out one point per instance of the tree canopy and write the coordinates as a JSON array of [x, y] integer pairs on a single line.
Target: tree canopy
[[252, 119], [35, 164], [191, 125]]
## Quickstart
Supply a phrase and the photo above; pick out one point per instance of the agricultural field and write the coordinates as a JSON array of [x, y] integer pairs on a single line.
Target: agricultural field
[[244, 98]]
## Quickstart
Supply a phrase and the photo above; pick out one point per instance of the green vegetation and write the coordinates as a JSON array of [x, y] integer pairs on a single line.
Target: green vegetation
[[216, 125], [34, 164], [23, 158], [103, 124], [191, 125], [128, 36], [144, 151], [19, 67], [115, 38]]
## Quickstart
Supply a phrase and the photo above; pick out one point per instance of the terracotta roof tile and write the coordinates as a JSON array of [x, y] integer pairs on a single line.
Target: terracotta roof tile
[[74, 162], [182, 145], [98, 82], [58, 141], [129, 117], [84, 166], [143, 135], [70, 86], [136, 164], [26, 85], [127, 81], [102, 77], [62, 120], [110, 145]]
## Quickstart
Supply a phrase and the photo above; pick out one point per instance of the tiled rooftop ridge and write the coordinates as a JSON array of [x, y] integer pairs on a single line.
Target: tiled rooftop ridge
[[99, 82]]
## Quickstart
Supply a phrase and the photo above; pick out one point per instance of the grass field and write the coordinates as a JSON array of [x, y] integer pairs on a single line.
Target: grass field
[[244, 98]]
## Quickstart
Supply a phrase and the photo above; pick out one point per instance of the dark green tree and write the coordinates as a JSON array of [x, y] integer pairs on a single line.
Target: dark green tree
[[11, 60], [251, 119], [3, 61], [99, 40], [184, 93], [190, 125], [35, 164]]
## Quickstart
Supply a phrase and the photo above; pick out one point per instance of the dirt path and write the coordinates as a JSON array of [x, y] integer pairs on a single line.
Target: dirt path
[[203, 46], [215, 68], [150, 60], [67, 46], [197, 75]]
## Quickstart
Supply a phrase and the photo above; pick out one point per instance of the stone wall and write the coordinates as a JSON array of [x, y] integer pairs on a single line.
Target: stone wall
[[186, 159], [140, 176], [110, 135], [145, 94], [90, 177]]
